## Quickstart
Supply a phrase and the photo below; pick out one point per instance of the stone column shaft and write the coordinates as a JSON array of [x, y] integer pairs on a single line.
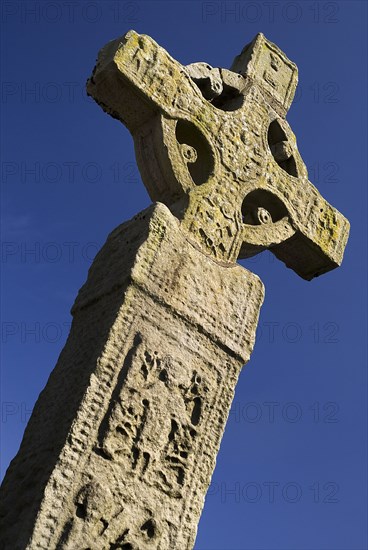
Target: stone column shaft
[[122, 443]]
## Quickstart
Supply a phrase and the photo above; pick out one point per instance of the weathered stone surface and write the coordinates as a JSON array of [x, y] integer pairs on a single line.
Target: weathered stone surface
[[207, 78], [121, 445], [122, 442], [245, 158]]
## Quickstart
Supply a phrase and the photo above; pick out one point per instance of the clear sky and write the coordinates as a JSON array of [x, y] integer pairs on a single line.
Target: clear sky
[[291, 471]]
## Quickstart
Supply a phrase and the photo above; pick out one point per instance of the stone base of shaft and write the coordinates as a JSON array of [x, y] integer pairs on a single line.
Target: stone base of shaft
[[122, 443]]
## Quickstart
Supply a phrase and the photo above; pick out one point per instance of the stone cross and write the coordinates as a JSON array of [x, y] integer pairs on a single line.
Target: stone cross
[[122, 443]]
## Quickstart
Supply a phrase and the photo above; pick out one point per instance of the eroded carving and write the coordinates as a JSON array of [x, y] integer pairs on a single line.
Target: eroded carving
[[99, 524], [154, 440]]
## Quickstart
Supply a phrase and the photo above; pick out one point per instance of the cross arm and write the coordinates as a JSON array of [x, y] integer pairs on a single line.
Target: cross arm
[[285, 213], [296, 224], [135, 78]]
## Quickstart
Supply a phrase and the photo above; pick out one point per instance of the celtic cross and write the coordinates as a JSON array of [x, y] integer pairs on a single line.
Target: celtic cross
[[121, 445]]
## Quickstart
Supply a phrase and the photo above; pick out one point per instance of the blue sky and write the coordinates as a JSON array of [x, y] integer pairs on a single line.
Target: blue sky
[[291, 471]]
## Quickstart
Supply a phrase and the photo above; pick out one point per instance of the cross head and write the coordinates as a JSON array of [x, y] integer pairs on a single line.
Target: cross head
[[214, 146]]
